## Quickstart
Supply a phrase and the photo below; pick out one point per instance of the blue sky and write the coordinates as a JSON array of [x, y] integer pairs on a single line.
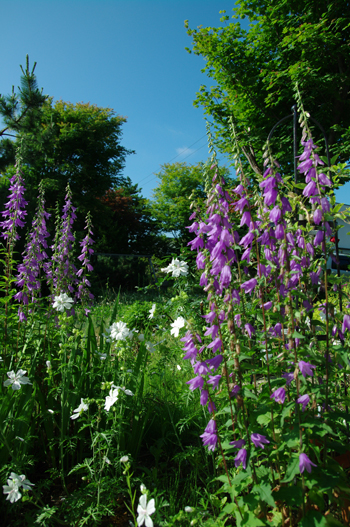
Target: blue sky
[[128, 55]]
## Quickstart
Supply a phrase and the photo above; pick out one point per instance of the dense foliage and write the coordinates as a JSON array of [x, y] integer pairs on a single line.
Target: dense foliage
[[255, 71]]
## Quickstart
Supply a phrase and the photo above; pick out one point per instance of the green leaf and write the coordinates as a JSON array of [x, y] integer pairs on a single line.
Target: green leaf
[[264, 491], [292, 469], [291, 495], [313, 519], [264, 419], [249, 520], [248, 393], [297, 335]]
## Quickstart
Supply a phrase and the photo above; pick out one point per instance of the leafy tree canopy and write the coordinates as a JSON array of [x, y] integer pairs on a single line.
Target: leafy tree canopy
[[179, 184], [289, 41], [127, 226]]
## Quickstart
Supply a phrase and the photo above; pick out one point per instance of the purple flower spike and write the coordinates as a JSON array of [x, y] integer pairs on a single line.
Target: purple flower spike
[[241, 458], [279, 395], [304, 400], [238, 444], [210, 437], [305, 463], [306, 368], [14, 214], [259, 440]]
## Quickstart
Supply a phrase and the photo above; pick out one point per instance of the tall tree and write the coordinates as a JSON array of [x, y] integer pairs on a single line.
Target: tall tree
[[18, 111], [303, 41]]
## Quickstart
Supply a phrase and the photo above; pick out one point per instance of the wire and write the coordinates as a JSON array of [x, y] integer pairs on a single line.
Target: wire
[[152, 173]]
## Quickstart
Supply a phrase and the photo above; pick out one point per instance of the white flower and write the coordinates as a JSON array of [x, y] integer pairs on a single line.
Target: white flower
[[16, 379], [106, 460], [13, 485], [177, 325], [50, 411], [144, 511], [150, 347], [124, 459], [177, 268], [12, 490], [143, 488], [152, 311], [141, 337], [62, 302], [119, 331], [111, 398], [48, 364], [81, 408], [178, 367], [189, 509], [1, 360]]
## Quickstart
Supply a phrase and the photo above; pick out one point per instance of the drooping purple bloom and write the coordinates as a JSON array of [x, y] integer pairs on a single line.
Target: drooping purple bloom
[[214, 380], [235, 391], [304, 400], [275, 214], [241, 458], [238, 320], [270, 197], [279, 395], [239, 443], [249, 329], [306, 368], [204, 397], [310, 189], [215, 344], [249, 286], [200, 368], [279, 232], [286, 206], [267, 305], [346, 323], [324, 180], [215, 362], [225, 277], [289, 377], [305, 463], [209, 437], [235, 296], [325, 205], [259, 440], [196, 382]]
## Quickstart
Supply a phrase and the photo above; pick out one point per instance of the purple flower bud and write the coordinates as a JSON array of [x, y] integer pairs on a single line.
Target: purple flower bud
[[238, 320], [289, 377], [318, 216], [325, 205], [211, 407]]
